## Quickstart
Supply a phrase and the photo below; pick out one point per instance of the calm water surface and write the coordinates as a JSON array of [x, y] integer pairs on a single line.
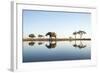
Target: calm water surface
[[56, 51]]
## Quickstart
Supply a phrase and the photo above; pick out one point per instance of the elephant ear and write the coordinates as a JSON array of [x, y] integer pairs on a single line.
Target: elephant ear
[[48, 33]]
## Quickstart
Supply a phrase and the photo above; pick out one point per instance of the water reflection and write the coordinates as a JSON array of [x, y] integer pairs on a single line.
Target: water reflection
[[52, 44], [36, 51], [31, 43], [40, 43], [80, 45]]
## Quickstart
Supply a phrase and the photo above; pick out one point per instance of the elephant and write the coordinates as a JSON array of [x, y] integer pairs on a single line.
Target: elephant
[[51, 34]]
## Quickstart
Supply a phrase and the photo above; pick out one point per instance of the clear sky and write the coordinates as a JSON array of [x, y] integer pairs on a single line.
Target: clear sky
[[63, 23]]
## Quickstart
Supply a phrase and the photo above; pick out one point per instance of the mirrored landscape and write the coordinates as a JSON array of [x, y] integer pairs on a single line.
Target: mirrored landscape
[[56, 51], [55, 36]]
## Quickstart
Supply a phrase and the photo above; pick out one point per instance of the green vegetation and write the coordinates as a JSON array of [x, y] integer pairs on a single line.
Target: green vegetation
[[52, 37], [31, 35]]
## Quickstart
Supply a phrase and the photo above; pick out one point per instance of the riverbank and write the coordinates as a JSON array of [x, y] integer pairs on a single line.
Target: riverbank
[[58, 39]]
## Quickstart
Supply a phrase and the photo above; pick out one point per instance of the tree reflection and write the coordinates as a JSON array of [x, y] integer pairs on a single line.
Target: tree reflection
[[80, 45], [31, 43], [75, 45], [52, 44], [40, 43]]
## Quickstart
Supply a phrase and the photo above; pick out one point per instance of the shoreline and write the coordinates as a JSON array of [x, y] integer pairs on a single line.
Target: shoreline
[[58, 39]]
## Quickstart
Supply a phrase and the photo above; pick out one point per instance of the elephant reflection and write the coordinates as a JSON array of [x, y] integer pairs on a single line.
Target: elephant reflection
[[80, 45], [52, 44], [31, 43]]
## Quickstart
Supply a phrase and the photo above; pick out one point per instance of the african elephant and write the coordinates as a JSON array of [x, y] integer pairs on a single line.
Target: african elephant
[[51, 34]]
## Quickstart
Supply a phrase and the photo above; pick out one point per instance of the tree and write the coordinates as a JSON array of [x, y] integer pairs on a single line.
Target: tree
[[81, 33], [31, 35], [40, 35], [75, 33]]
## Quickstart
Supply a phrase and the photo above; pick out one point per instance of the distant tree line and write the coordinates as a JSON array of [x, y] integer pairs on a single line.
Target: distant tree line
[[54, 35], [80, 32]]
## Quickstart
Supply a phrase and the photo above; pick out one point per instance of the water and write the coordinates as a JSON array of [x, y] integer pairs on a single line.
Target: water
[[55, 51]]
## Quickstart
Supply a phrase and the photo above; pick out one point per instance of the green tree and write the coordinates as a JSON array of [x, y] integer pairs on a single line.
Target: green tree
[[40, 35], [31, 35], [75, 33], [81, 33]]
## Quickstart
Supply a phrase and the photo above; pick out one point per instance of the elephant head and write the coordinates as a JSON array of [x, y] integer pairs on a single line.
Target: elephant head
[[51, 34]]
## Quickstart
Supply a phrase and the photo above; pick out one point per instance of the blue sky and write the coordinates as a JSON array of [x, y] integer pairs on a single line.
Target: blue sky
[[63, 23]]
